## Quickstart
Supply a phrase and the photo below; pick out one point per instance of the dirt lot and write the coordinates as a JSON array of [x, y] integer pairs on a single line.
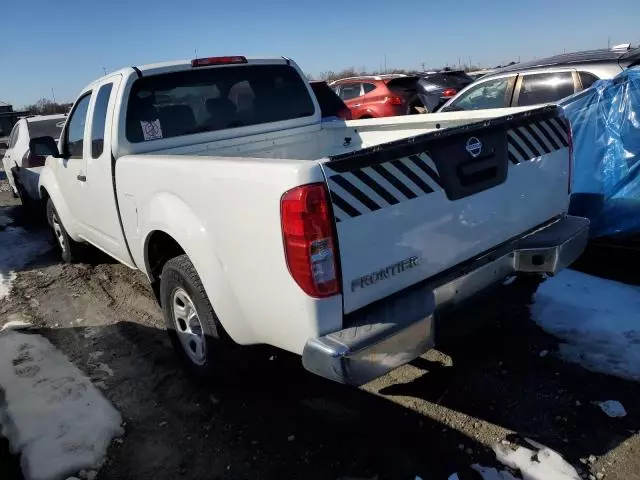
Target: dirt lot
[[436, 416]]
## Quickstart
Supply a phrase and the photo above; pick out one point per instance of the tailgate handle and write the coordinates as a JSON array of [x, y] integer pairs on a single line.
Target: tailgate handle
[[477, 171]]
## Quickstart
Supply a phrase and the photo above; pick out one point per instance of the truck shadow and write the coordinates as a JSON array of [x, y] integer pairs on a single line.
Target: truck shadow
[[503, 373], [276, 421]]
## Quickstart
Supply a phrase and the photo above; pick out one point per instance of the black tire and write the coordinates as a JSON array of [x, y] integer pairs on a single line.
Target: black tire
[[69, 250], [179, 276]]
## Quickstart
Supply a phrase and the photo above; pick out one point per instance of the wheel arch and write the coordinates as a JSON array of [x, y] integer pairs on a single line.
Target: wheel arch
[[163, 244]]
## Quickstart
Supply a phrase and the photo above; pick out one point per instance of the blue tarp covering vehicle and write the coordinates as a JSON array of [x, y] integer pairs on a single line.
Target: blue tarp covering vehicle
[[605, 122]]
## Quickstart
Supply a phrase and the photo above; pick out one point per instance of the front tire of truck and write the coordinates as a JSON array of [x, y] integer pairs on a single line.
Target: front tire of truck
[[192, 324], [69, 250]]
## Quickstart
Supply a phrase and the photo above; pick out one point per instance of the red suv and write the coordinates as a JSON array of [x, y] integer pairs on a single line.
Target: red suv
[[377, 96]]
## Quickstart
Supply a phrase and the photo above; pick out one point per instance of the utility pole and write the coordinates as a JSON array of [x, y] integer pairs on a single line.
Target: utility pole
[[609, 43], [423, 67], [104, 70], [385, 63], [53, 94]]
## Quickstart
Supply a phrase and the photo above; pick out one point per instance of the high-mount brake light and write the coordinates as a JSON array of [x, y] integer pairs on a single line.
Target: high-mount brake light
[[208, 61]]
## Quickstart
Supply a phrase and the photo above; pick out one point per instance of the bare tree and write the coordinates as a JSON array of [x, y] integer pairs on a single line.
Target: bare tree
[[44, 106]]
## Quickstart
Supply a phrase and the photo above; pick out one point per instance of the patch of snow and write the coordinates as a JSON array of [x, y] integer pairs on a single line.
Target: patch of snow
[[509, 280], [489, 473], [51, 413], [15, 325], [613, 408], [598, 319], [17, 248], [453, 476], [541, 463]]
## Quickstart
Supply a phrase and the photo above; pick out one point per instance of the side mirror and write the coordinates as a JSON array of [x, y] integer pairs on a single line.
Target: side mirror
[[44, 146], [3, 146]]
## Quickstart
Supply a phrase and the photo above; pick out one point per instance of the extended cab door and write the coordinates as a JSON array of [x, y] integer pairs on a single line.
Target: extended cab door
[[88, 176], [100, 215], [71, 169]]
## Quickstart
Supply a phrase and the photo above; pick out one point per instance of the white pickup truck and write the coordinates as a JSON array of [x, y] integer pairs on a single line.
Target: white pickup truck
[[257, 223]]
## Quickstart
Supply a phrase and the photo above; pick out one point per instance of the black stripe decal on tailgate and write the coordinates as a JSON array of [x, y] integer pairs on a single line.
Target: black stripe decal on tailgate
[[412, 176], [355, 192], [375, 186], [344, 206], [388, 176], [422, 165]]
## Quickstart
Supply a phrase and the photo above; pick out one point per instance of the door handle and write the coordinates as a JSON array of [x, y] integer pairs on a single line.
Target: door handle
[[82, 178], [357, 105]]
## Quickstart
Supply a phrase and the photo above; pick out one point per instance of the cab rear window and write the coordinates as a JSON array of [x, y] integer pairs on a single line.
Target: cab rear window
[[209, 99]]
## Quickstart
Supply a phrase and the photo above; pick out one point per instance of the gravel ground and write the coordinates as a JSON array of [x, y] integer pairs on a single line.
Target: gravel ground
[[486, 382]]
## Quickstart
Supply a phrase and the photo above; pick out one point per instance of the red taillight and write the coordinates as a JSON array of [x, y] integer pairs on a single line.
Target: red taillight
[[449, 92], [309, 239], [570, 140], [394, 100], [30, 160], [204, 62]]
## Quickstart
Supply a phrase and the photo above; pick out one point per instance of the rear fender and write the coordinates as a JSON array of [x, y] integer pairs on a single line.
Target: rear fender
[[169, 214]]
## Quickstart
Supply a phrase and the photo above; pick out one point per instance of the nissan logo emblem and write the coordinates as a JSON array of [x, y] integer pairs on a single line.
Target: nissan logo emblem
[[474, 147]]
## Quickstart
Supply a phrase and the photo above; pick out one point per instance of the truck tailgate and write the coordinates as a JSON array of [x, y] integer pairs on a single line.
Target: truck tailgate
[[410, 209]]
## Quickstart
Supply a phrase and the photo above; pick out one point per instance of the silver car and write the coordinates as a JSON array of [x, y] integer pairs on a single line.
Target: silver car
[[546, 80]]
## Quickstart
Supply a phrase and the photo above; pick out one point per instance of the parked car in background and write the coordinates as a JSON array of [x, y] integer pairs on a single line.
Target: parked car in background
[[331, 105], [545, 80], [21, 166], [434, 89], [377, 95]]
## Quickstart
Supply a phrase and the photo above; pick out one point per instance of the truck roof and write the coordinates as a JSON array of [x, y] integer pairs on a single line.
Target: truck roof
[[177, 65]]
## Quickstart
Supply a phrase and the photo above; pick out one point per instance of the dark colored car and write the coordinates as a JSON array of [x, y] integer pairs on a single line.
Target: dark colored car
[[434, 89], [331, 105], [377, 95]]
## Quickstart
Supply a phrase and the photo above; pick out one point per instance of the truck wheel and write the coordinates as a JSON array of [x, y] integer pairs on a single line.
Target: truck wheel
[[67, 247], [194, 328]]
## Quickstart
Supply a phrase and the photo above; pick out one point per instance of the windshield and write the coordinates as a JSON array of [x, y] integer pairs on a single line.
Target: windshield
[[208, 99], [46, 128]]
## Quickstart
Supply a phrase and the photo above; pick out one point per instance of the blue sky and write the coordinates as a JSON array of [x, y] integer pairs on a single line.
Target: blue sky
[[62, 45]]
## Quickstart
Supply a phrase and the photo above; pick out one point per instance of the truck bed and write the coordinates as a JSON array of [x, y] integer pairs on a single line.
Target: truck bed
[[333, 138]]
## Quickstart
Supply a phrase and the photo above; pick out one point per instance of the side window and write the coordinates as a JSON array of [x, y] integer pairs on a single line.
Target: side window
[[74, 133], [587, 79], [368, 87], [99, 120], [14, 136], [488, 94], [538, 88], [349, 91]]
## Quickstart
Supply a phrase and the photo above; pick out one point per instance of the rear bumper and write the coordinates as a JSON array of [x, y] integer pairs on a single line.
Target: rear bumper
[[397, 329]]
